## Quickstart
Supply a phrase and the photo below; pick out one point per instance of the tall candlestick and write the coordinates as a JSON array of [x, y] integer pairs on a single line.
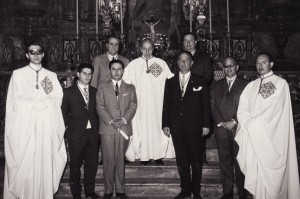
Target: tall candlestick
[[121, 15], [97, 7], [228, 23], [210, 29], [191, 16], [77, 18]]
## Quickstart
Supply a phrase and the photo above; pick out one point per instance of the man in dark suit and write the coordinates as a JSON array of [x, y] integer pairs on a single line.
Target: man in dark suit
[[226, 94], [116, 106], [81, 119], [202, 65], [186, 115]]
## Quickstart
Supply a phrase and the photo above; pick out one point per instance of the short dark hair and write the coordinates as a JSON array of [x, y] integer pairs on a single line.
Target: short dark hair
[[114, 62], [231, 57], [35, 43], [189, 33], [85, 65], [270, 57], [112, 37], [185, 52]]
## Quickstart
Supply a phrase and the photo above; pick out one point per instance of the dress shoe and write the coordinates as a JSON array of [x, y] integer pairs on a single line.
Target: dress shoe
[[227, 196], [77, 197], [92, 195], [107, 196], [182, 195], [159, 162], [122, 196]]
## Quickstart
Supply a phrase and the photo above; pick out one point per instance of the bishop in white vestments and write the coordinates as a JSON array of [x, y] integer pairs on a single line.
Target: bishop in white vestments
[[148, 74]]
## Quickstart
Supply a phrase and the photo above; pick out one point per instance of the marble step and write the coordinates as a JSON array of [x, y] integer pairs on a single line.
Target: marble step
[[153, 187], [168, 170]]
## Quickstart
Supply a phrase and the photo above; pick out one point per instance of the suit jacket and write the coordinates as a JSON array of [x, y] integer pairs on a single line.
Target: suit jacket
[[192, 111], [202, 66], [225, 103], [108, 109], [101, 69], [76, 115]]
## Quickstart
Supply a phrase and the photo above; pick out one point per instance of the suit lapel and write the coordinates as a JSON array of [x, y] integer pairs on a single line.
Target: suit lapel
[[177, 84], [122, 89], [189, 86], [78, 92]]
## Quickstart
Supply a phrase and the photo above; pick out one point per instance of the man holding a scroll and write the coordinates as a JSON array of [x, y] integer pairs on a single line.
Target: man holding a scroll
[[116, 106]]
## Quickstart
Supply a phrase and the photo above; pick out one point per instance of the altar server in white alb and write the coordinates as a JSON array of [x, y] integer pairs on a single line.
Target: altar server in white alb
[[148, 74], [35, 153], [266, 138]]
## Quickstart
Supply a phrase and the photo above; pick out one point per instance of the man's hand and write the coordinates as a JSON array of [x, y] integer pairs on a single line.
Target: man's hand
[[229, 125], [117, 123], [166, 131], [205, 131]]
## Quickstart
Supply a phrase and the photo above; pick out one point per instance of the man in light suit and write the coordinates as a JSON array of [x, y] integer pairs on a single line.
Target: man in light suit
[[186, 115], [226, 94], [80, 116], [101, 62], [116, 106]]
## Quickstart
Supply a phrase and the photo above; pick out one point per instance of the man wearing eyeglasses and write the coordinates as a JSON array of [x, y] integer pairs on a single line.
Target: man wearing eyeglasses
[[148, 74], [225, 100], [35, 150]]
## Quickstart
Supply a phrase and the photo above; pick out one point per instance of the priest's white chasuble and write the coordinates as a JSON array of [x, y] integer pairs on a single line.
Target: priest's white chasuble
[[35, 150], [148, 140], [266, 138]]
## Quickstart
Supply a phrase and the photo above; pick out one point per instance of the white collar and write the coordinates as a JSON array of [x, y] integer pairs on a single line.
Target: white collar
[[114, 82], [110, 57], [147, 59], [35, 66], [231, 79], [186, 75], [267, 75], [83, 86], [193, 52]]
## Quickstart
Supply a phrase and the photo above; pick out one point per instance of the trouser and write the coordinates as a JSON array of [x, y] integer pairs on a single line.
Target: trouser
[[84, 149], [113, 150], [228, 150], [188, 150]]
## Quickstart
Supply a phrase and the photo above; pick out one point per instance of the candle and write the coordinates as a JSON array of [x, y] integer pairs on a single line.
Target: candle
[[77, 18], [121, 15], [210, 29], [210, 22], [191, 16], [228, 23], [97, 7]]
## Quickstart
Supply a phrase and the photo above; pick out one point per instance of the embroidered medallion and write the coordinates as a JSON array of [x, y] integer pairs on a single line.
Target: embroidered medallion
[[47, 85], [156, 69], [267, 89]]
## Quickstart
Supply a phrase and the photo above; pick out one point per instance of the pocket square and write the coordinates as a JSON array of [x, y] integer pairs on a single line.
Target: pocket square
[[125, 94], [197, 89]]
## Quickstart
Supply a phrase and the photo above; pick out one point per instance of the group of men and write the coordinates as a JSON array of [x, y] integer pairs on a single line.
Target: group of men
[[144, 111]]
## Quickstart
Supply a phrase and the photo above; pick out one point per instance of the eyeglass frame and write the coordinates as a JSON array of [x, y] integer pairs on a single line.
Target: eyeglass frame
[[38, 52]]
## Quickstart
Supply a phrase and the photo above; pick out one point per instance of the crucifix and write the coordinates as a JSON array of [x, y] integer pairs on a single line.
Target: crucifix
[[151, 23]]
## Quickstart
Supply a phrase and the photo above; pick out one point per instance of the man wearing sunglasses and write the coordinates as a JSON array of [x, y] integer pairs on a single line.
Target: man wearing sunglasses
[[225, 100], [35, 150]]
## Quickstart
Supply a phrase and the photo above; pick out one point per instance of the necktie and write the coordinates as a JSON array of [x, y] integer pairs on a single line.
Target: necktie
[[117, 89], [182, 85], [85, 93], [230, 84], [113, 58]]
